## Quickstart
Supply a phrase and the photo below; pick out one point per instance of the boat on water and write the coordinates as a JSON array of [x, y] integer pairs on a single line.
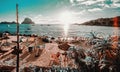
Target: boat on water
[[33, 24], [48, 25], [28, 28]]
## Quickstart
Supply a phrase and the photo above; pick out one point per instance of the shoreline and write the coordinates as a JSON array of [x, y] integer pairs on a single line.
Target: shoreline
[[56, 30]]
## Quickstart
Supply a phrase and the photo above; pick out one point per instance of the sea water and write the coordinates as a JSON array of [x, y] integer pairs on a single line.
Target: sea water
[[57, 30]]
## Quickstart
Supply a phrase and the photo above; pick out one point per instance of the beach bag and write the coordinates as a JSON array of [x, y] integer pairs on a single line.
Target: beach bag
[[30, 49], [45, 40], [16, 51]]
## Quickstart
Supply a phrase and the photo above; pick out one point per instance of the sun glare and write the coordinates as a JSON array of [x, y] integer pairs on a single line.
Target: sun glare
[[66, 19]]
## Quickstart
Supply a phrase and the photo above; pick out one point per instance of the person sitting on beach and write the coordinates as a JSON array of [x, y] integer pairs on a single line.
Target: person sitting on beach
[[54, 59], [31, 39], [39, 46], [64, 59], [23, 39]]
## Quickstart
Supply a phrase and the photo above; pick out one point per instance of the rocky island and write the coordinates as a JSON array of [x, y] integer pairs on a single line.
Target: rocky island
[[27, 21], [104, 22]]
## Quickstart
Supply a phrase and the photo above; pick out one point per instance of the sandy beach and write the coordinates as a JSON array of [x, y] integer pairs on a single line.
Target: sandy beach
[[37, 51]]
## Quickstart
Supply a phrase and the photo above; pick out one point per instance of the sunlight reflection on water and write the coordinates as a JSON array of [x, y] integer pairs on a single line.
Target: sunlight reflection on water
[[66, 28]]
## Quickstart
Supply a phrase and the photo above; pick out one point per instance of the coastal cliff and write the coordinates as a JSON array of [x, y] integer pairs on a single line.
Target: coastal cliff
[[104, 22], [27, 21]]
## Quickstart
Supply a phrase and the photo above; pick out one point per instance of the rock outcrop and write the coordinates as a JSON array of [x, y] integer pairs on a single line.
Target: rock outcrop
[[27, 21]]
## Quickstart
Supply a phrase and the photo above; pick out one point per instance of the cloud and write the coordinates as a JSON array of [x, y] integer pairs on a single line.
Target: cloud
[[79, 0], [94, 9], [71, 1], [79, 12], [38, 16], [116, 5], [82, 9], [116, 1], [40, 19], [89, 2], [100, 0]]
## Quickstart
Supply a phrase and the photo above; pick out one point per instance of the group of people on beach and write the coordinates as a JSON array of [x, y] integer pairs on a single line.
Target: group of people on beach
[[85, 55]]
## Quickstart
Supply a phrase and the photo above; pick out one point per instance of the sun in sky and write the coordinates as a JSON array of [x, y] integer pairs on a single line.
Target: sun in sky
[[45, 11], [66, 18]]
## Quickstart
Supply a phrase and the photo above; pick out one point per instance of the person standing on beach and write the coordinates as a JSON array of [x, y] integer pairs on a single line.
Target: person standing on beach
[[39, 45], [31, 42]]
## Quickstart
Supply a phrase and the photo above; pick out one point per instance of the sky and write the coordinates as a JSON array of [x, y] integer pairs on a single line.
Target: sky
[[59, 11]]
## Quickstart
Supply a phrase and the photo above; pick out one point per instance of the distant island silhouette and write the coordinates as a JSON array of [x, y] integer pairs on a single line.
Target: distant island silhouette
[[5, 22], [26, 21], [97, 22]]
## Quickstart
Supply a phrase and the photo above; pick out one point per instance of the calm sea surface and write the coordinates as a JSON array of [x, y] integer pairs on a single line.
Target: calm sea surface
[[58, 30]]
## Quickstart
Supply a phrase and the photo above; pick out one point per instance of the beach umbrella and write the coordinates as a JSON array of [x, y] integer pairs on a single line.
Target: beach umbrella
[[64, 46]]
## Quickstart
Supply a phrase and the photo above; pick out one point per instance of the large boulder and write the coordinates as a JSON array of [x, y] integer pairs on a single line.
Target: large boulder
[[27, 21]]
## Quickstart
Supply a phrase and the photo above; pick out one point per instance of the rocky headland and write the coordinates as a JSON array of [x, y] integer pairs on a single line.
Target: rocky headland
[[104, 22]]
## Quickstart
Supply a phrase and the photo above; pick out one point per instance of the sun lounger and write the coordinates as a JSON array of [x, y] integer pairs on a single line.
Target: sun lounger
[[5, 54]]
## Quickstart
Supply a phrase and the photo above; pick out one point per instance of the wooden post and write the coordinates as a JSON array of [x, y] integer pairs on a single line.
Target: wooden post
[[17, 62]]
